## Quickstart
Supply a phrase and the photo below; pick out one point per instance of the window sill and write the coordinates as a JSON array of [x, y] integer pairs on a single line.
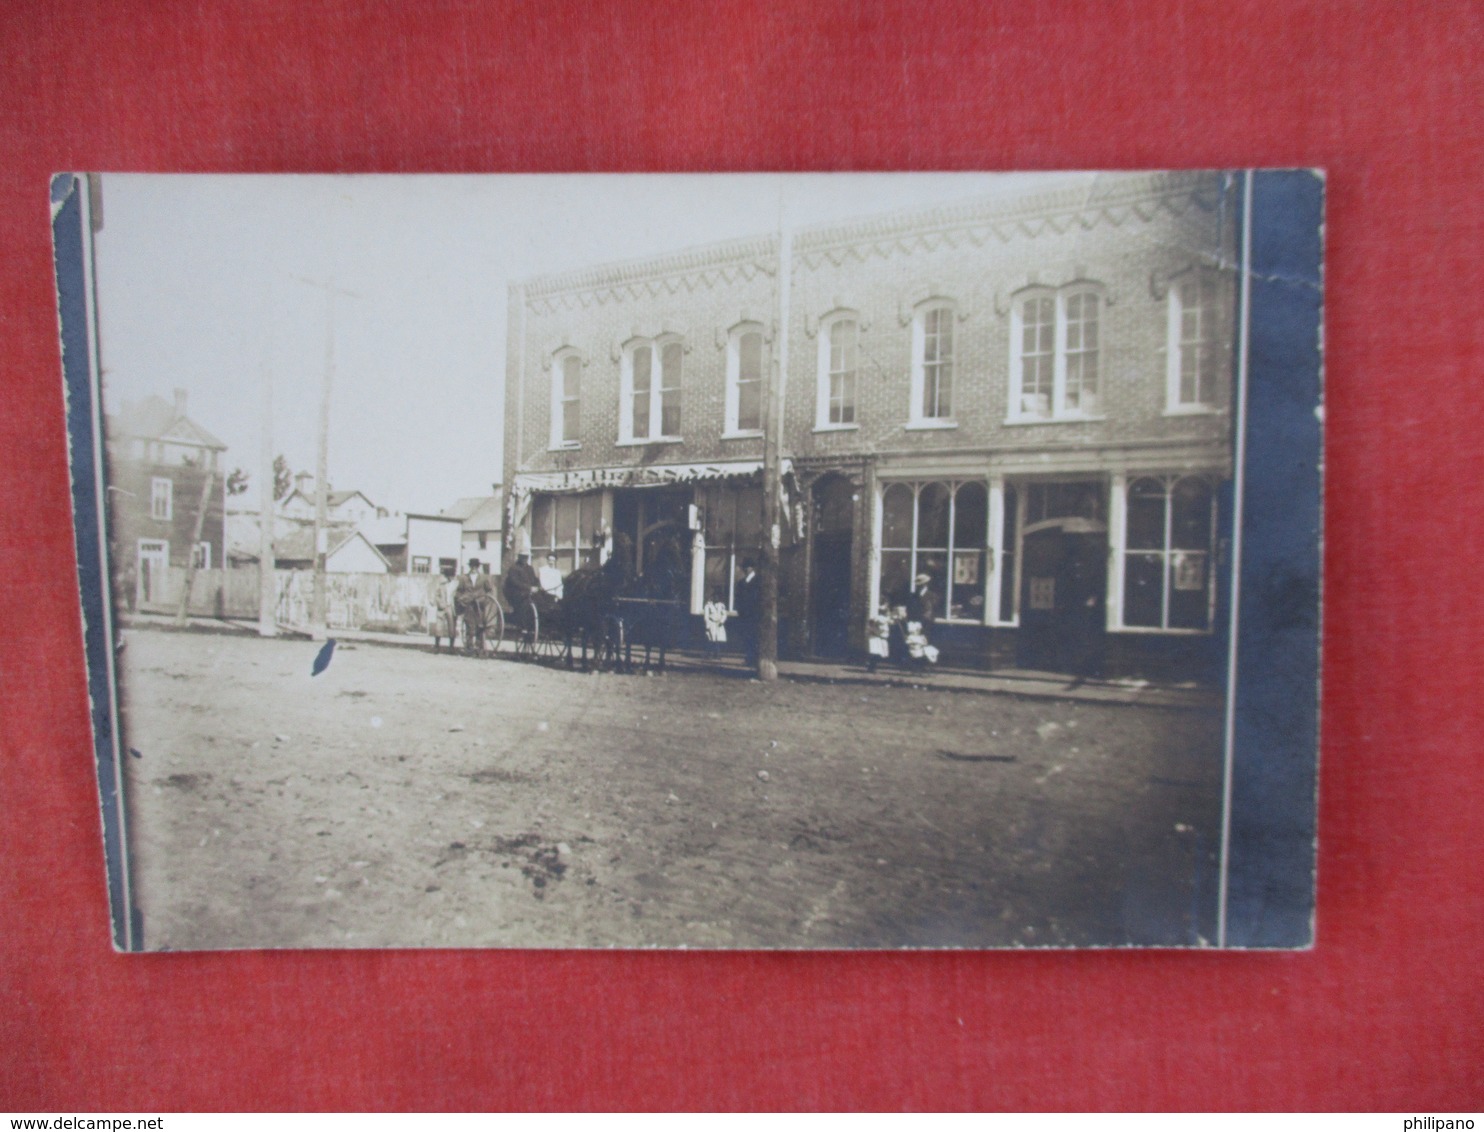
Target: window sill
[[565, 446], [743, 434], [1065, 418], [1154, 631], [851, 426], [647, 441], [1191, 411], [927, 426]]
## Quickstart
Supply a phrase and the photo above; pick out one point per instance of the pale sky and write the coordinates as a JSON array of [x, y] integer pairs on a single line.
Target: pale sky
[[200, 287]]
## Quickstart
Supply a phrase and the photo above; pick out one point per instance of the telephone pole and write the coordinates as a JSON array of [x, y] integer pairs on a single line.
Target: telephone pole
[[767, 637], [267, 574], [317, 616]]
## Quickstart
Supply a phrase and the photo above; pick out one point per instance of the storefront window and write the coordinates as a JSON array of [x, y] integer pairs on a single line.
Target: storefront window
[[1167, 556], [566, 526], [938, 529], [734, 533]]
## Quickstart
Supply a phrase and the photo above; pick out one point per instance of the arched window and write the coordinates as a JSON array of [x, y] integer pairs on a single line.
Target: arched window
[[649, 390], [566, 399], [839, 361], [938, 528], [1055, 353], [1168, 538], [746, 357], [932, 365]]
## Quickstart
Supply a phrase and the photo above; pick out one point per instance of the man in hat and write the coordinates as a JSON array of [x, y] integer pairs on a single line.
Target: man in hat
[[922, 608], [522, 587], [469, 595], [749, 602]]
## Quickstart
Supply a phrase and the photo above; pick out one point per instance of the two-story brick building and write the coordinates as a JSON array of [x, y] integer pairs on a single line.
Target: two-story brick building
[[1027, 400], [164, 477]]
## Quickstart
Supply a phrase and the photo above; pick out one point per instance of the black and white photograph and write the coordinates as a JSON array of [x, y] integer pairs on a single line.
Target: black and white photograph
[[784, 561]]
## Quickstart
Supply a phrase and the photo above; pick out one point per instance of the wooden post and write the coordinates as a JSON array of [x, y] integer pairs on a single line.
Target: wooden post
[[767, 638], [317, 617], [267, 579], [183, 610]]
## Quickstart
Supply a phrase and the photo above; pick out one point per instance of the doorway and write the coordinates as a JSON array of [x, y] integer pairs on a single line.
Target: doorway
[[1064, 576], [154, 569], [830, 566]]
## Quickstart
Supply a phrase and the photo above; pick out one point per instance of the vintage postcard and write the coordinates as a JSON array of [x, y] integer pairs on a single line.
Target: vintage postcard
[[764, 561]]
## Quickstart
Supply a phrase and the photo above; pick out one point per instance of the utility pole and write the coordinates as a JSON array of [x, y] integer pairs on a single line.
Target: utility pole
[[317, 616], [267, 575], [767, 638]]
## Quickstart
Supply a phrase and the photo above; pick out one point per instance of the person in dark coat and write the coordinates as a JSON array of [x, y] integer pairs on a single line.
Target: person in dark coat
[[749, 602], [469, 594], [522, 588]]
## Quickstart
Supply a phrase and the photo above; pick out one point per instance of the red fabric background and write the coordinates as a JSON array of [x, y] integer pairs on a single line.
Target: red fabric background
[[1385, 1013]]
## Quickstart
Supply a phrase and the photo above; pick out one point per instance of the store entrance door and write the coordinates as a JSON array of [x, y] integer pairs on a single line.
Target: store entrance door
[[829, 573], [1064, 576]]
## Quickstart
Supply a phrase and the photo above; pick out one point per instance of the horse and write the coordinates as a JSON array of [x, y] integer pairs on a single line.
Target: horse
[[586, 612], [647, 609]]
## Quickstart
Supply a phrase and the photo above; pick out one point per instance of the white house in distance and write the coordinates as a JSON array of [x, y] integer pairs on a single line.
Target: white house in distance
[[347, 552], [482, 518], [433, 544], [349, 507]]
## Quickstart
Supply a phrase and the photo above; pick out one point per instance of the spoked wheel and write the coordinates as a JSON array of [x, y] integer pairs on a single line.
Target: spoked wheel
[[485, 625], [528, 637]]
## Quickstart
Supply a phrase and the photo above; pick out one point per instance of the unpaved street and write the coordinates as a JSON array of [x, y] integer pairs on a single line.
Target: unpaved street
[[406, 799]]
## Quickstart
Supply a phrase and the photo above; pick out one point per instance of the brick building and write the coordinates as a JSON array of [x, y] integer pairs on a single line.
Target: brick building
[[1027, 400], [165, 476]]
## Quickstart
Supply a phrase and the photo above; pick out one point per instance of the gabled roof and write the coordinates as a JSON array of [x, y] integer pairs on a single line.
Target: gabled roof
[[332, 498], [298, 546], [155, 418], [478, 512]]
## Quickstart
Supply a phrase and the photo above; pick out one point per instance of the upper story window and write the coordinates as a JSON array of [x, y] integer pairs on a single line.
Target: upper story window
[[1055, 354], [839, 362], [649, 383], [1194, 350], [746, 358], [161, 491], [932, 365], [566, 399]]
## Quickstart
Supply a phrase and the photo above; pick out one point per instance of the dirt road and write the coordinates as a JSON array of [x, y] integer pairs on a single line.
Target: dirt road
[[405, 799]]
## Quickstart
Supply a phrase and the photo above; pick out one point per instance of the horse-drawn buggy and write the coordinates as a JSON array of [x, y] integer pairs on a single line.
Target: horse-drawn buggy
[[603, 616]]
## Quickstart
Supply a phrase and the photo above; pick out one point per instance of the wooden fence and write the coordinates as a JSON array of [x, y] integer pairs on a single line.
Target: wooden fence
[[395, 603]]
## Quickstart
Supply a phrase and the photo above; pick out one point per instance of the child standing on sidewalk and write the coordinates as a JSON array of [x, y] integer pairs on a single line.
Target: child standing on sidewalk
[[715, 614]]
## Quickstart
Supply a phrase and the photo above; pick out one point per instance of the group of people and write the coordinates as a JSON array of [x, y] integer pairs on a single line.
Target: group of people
[[908, 617], [749, 603], [463, 597]]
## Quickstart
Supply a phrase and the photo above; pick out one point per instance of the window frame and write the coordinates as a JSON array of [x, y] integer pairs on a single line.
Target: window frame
[[1169, 481], [656, 346], [1212, 342], [161, 500], [989, 572], [561, 398], [825, 374], [733, 409], [1057, 409], [916, 418], [201, 555]]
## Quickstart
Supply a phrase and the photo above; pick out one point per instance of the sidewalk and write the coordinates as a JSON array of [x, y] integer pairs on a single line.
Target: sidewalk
[[1007, 681]]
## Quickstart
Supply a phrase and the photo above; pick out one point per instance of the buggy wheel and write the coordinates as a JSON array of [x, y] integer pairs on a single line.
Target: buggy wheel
[[527, 636], [494, 627]]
